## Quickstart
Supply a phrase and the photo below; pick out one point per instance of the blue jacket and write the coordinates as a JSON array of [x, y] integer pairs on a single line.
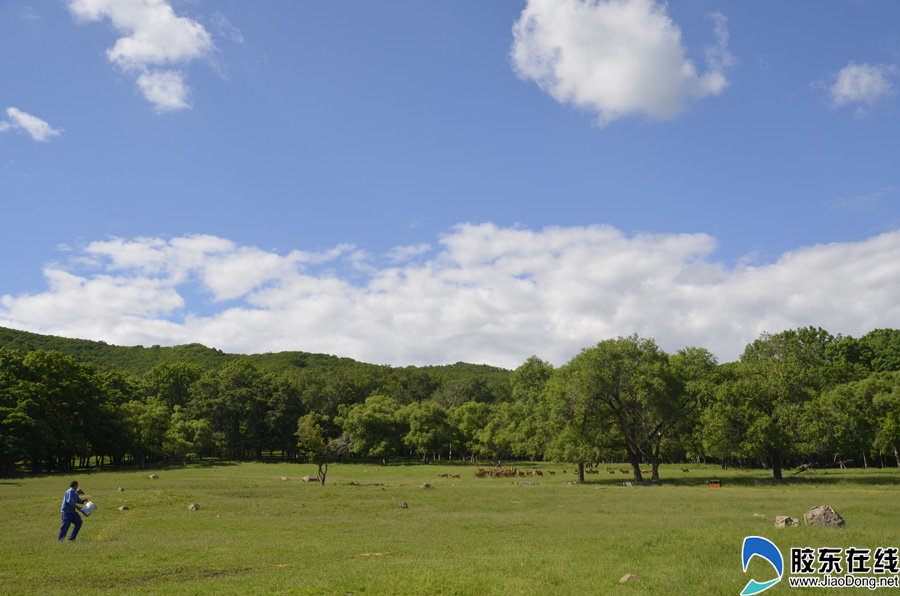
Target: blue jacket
[[70, 500]]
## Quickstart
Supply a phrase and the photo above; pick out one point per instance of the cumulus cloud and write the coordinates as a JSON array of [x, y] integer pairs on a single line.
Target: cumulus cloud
[[615, 57], [862, 85], [38, 129], [487, 294], [153, 40]]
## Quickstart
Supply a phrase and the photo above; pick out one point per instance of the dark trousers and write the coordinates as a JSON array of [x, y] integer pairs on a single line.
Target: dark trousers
[[69, 519]]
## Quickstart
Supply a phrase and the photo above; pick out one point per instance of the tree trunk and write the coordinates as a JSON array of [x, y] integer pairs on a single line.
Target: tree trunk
[[581, 471], [323, 470], [776, 468], [635, 462]]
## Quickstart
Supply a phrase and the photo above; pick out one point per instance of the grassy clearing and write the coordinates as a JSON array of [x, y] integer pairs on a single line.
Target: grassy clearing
[[257, 534]]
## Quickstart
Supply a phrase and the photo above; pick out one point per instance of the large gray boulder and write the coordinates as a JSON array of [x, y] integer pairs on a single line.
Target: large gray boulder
[[823, 515]]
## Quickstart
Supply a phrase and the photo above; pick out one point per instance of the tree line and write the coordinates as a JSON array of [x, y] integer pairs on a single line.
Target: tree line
[[797, 397]]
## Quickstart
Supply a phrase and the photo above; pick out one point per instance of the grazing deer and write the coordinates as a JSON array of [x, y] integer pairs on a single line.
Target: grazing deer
[[685, 470], [442, 475]]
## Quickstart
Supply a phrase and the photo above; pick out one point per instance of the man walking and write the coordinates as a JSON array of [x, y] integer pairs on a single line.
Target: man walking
[[71, 505]]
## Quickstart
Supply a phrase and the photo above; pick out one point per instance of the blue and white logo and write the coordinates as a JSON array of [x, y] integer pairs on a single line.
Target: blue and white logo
[[757, 546]]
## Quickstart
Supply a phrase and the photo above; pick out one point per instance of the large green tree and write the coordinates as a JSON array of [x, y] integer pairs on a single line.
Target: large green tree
[[777, 378], [375, 428], [628, 384]]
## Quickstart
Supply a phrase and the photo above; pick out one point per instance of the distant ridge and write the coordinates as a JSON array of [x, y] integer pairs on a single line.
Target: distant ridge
[[138, 360]]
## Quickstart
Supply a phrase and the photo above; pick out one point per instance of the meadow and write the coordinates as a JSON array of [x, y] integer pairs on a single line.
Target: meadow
[[256, 534]]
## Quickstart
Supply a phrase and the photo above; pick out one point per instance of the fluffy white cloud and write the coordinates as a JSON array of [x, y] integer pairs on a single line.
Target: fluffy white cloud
[[165, 89], [34, 126], [863, 85], [488, 294], [615, 57], [153, 37]]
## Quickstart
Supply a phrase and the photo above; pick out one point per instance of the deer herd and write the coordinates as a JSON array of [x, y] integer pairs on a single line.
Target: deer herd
[[514, 472]]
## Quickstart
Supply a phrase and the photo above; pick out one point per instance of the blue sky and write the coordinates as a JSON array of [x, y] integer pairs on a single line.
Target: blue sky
[[423, 182]]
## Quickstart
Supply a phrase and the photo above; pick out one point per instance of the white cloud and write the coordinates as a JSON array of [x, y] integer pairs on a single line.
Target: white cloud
[[34, 126], [154, 38], [863, 85], [615, 57], [165, 89], [399, 254], [493, 295]]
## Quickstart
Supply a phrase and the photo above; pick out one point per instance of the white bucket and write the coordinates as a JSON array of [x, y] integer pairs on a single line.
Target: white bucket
[[88, 508]]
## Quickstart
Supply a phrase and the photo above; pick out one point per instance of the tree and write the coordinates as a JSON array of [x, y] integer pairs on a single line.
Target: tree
[[171, 383], [429, 430], [313, 444], [628, 381], [777, 377], [467, 420], [886, 405], [235, 400], [374, 428], [576, 421]]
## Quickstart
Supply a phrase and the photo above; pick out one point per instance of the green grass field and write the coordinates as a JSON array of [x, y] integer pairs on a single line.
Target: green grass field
[[257, 534]]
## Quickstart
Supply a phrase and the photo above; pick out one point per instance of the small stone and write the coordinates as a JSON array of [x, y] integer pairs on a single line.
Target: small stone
[[123, 508], [193, 507], [284, 477], [759, 515], [785, 521], [629, 578], [120, 489], [426, 485], [403, 505]]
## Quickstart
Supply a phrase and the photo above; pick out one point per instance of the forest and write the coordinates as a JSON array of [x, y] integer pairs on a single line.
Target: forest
[[796, 399]]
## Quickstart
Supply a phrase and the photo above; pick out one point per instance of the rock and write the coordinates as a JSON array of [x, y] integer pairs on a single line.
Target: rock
[[426, 485], [784, 521], [629, 578], [284, 477], [823, 515], [123, 508], [153, 477], [759, 515], [403, 505], [193, 507], [310, 479], [120, 489]]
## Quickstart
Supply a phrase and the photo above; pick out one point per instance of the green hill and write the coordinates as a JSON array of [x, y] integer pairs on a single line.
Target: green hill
[[137, 360]]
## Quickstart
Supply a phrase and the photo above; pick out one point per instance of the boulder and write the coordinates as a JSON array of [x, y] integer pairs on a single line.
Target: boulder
[[123, 508], [627, 578], [786, 521], [284, 477], [120, 489], [426, 485], [193, 507], [823, 515], [310, 479], [153, 477], [403, 505]]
